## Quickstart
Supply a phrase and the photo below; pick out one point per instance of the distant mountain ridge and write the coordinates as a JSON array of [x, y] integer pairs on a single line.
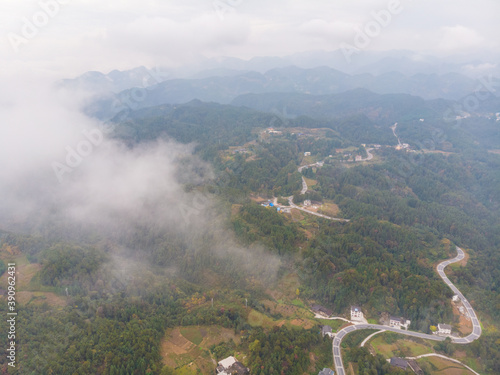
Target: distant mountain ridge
[[377, 107], [317, 81]]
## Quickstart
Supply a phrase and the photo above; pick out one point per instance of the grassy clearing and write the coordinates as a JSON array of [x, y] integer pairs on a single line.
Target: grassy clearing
[[335, 324], [298, 302], [385, 345], [329, 208], [257, 319], [441, 366], [193, 334], [28, 286], [310, 182]]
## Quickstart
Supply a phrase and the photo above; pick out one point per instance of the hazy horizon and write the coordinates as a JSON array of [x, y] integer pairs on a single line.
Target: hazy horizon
[[65, 39]]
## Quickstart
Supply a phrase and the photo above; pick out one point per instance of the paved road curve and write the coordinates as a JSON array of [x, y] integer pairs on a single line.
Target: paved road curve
[[476, 331], [293, 205], [476, 327]]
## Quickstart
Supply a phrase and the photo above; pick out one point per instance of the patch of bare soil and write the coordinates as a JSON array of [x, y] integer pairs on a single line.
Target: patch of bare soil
[[465, 325]]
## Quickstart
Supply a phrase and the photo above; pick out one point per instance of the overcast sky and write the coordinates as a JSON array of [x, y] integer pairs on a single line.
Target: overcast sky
[[103, 35]]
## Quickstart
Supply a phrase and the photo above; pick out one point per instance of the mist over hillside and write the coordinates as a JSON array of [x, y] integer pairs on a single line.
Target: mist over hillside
[[193, 187]]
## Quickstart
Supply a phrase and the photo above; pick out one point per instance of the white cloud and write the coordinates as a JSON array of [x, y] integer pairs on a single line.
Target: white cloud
[[100, 184], [121, 34], [164, 37], [328, 30], [460, 38]]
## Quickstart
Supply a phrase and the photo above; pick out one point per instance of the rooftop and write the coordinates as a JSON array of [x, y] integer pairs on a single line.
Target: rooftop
[[444, 326], [399, 362], [399, 319], [227, 362], [326, 329]]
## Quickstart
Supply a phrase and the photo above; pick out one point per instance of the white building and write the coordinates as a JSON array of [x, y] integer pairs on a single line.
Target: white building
[[399, 322], [272, 131], [356, 313], [444, 329], [307, 153], [229, 366], [224, 365], [455, 298]]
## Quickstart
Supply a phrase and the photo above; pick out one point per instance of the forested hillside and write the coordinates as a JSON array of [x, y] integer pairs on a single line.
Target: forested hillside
[[103, 300]]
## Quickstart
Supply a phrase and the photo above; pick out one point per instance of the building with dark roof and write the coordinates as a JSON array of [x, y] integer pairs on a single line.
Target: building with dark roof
[[415, 367], [326, 330], [399, 362], [318, 309]]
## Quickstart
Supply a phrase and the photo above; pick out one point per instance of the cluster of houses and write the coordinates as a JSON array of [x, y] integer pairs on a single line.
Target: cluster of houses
[[280, 209], [272, 131], [394, 322], [357, 315], [403, 146], [240, 151], [231, 366]]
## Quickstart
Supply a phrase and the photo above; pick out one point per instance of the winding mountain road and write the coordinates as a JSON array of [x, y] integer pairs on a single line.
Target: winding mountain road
[[476, 331], [304, 190]]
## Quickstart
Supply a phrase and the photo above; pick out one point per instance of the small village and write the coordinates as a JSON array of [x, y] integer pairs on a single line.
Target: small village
[[231, 366]]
